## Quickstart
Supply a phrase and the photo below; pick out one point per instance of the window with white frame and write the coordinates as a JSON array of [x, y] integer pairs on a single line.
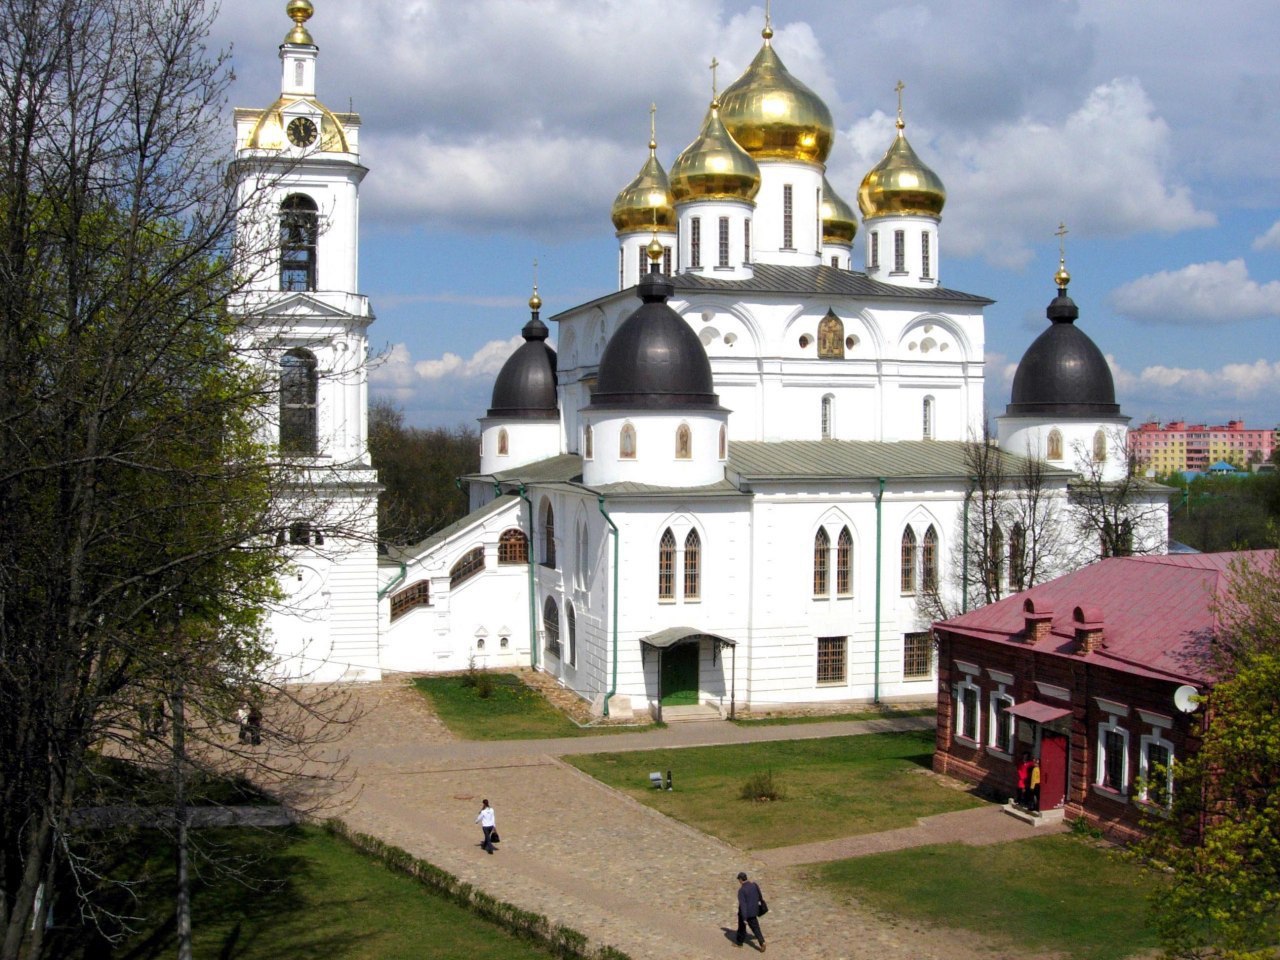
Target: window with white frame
[[924, 256], [724, 242], [828, 416], [917, 655], [667, 566], [967, 698], [874, 256], [1113, 757], [787, 239], [844, 563], [1000, 724], [582, 557], [695, 242], [926, 427], [571, 622], [899, 251], [746, 241], [821, 559], [692, 566], [1155, 769]]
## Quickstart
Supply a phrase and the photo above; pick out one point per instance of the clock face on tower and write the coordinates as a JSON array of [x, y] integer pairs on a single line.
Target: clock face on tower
[[302, 131]]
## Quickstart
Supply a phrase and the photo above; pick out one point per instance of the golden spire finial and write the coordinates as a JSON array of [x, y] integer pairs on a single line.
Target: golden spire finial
[[899, 88], [715, 93], [767, 32], [299, 11], [653, 126], [535, 301], [1062, 278]]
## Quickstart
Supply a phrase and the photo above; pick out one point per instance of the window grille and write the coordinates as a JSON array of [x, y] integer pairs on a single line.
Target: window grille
[[844, 563], [831, 659], [415, 595], [917, 656], [692, 566], [468, 565], [821, 555], [513, 547], [667, 566]]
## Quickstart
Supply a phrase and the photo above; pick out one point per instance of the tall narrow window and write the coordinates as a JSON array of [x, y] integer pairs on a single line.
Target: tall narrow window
[[692, 566], [724, 441], [667, 566], [571, 626], [588, 443], [828, 416], [875, 250], [1099, 446], [551, 626], [627, 442], [924, 256], [622, 265], [1055, 444], [968, 727], [695, 241], [504, 442], [666, 260], [548, 534], [787, 238], [299, 230], [821, 559], [298, 388], [583, 558], [899, 251], [1001, 724], [844, 563], [724, 241], [1017, 557], [917, 655], [929, 560], [644, 261], [927, 418], [746, 241], [908, 557], [835, 261], [684, 442], [513, 547], [831, 659], [995, 559], [817, 218], [1113, 758]]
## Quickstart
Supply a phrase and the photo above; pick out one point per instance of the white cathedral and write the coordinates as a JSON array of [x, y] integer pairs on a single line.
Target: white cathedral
[[733, 479]]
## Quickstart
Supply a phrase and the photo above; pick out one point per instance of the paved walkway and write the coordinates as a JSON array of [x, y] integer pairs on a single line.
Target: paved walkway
[[596, 860]]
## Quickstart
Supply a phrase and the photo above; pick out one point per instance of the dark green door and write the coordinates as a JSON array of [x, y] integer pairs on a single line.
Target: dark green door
[[680, 675]]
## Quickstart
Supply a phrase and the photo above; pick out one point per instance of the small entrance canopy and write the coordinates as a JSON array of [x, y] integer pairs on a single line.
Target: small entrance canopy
[[678, 636], [1038, 712]]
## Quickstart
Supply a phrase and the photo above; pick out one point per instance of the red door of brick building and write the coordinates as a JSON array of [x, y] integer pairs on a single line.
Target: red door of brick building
[[1053, 770]]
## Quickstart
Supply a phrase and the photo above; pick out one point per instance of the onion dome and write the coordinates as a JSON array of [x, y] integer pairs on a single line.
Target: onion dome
[[646, 202], [901, 184], [526, 384], [1063, 373], [714, 167], [839, 224], [773, 115], [654, 361]]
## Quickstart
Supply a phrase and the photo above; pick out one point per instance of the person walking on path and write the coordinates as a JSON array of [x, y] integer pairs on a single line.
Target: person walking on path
[[750, 908], [487, 822]]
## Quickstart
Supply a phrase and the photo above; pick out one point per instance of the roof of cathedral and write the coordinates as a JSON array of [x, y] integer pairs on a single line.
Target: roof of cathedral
[[901, 184], [526, 386], [654, 360], [861, 459], [1063, 374], [839, 222], [646, 202], [397, 554], [714, 167]]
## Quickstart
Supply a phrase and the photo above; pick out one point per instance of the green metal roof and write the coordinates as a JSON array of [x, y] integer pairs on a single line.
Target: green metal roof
[[474, 517], [862, 460]]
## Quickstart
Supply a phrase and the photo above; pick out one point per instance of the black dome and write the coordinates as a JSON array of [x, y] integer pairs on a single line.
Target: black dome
[[654, 360], [526, 385], [1063, 373]]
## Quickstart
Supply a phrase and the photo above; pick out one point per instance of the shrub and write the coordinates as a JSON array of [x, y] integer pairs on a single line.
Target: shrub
[[761, 787]]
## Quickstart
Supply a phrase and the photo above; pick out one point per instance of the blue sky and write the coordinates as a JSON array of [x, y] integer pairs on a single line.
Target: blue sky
[[499, 131]]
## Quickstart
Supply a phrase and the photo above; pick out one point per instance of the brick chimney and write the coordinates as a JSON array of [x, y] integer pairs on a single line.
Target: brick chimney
[[1088, 626], [1038, 622]]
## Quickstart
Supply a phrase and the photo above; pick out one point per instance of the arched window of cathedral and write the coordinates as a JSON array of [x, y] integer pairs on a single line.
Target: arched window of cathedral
[[929, 560], [299, 230], [548, 534], [927, 419], [627, 442], [571, 625], [908, 556], [298, 389], [583, 559], [692, 566], [551, 626], [844, 563], [1099, 446], [995, 559], [504, 442], [1055, 444], [724, 441], [468, 565], [667, 566], [1017, 557], [828, 417], [414, 595], [684, 442], [513, 547], [821, 563], [588, 443]]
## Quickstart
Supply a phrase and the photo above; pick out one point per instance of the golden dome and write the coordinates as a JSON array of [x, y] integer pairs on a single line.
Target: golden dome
[[646, 202], [269, 132], [773, 115], [839, 224], [535, 301], [714, 167], [299, 11], [901, 184]]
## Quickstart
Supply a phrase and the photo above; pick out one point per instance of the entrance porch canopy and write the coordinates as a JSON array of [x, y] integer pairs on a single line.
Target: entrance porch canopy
[[1037, 712], [677, 636]]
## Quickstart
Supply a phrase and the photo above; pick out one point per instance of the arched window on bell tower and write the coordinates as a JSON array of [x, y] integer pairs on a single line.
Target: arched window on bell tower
[[298, 421], [299, 231]]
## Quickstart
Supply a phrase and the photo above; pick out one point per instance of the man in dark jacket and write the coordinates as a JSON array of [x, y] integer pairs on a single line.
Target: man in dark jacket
[[750, 900]]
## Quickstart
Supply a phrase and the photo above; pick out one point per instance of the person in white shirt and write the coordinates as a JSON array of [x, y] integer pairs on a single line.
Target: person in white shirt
[[486, 820]]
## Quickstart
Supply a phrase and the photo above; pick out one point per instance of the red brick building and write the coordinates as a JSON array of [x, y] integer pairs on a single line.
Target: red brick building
[[1083, 672]]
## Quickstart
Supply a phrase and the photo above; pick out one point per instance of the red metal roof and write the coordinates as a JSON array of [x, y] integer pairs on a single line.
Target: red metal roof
[[1157, 612]]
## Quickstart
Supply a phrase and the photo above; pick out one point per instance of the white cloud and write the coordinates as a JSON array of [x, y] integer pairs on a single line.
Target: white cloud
[[1201, 293], [485, 362], [1269, 240]]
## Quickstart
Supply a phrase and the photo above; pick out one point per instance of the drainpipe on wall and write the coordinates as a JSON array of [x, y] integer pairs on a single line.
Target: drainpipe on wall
[[964, 552], [879, 568], [613, 604], [533, 595], [399, 578]]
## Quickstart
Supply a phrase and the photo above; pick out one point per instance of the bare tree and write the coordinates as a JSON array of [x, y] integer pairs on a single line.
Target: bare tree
[[1116, 513]]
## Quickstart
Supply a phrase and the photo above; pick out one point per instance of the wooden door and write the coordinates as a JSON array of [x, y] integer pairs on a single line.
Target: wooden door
[[1053, 770]]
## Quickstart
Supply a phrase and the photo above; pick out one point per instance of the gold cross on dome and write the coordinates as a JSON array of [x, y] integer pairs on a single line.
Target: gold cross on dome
[[768, 20], [714, 64], [653, 124], [899, 87], [1061, 234]]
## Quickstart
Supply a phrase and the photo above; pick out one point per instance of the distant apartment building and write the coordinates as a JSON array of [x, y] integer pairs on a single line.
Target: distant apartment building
[[1179, 446]]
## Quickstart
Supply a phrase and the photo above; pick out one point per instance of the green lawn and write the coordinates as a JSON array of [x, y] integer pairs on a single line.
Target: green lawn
[[1055, 894], [319, 900], [872, 714], [833, 787]]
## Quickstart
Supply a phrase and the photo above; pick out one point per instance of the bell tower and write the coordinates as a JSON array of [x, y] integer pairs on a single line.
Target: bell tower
[[298, 173]]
